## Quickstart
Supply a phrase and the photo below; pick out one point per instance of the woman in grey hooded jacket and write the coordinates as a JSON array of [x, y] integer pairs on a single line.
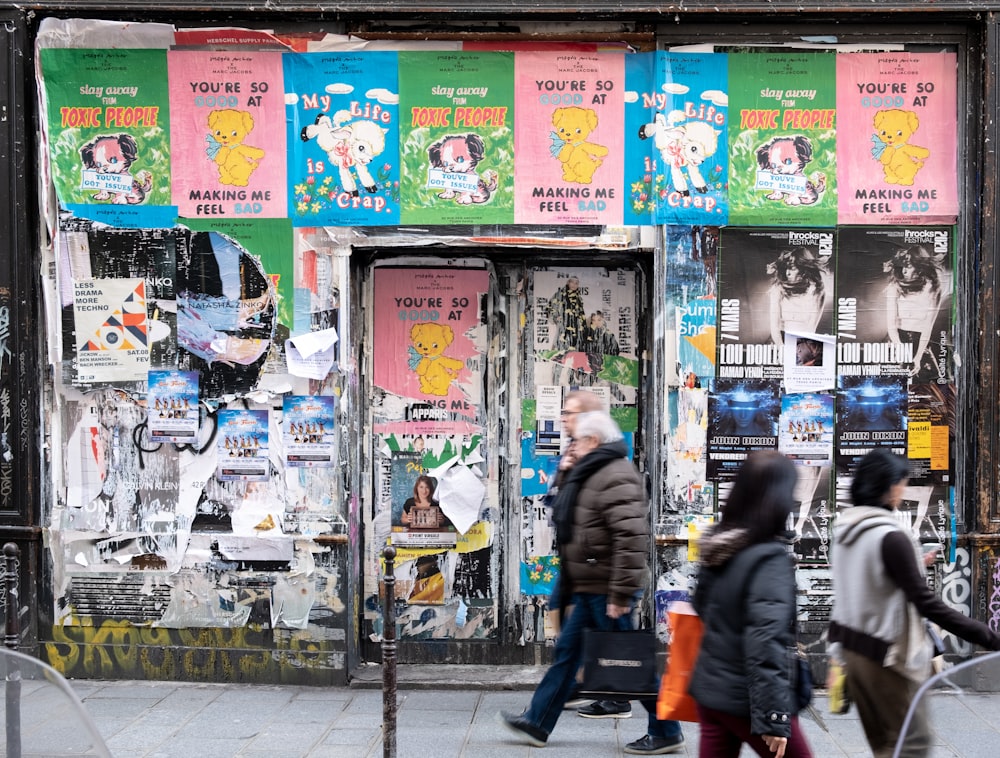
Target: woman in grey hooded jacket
[[743, 680], [880, 600]]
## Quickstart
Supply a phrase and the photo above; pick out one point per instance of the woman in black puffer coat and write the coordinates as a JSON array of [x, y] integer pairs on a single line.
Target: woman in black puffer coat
[[742, 681]]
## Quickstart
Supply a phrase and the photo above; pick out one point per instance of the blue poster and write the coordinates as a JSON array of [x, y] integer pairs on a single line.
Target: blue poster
[[307, 426], [173, 406], [343, 136], [644, 186], [242, 444], [689, 133]]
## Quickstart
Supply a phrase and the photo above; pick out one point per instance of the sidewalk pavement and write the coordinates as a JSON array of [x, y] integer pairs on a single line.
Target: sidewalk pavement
[[177, 720]]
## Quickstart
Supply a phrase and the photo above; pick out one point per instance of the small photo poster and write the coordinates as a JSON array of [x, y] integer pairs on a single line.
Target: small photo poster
[[307, 426], [242, 446], [805, 428], [173, 406], [417, 517]]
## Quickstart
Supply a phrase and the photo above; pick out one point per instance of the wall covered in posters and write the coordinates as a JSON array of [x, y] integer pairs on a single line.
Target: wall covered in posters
[[823, 344], [808, 304], [381, 138]]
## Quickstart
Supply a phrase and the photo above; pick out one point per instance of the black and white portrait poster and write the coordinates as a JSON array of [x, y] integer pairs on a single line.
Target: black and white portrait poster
[[771, 281], [894, 302]]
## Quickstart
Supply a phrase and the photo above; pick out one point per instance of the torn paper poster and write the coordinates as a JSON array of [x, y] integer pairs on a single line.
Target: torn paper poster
[[312, 355]]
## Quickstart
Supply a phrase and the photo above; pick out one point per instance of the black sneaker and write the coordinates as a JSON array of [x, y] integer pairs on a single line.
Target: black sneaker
[[606, 709], [655, 745], [525, 731], [576, 700]]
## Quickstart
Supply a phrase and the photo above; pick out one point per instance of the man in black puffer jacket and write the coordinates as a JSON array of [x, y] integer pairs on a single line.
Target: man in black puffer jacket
[[603, 530]]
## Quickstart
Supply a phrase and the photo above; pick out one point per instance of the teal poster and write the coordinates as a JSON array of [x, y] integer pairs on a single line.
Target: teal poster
[[342, 111]]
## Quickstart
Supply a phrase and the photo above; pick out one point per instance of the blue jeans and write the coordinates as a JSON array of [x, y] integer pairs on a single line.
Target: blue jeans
[[589, 612]]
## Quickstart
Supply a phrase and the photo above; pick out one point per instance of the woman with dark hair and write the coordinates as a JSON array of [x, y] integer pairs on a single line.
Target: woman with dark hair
[[880, 599], [428, 511], [800, 293], [746, 599], [913, 299]]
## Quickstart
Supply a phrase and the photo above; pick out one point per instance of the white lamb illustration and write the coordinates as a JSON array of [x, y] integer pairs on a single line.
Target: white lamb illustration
[[348, 144], [682, 145]]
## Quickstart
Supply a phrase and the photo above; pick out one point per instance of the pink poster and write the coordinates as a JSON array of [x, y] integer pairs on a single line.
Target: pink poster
[[568, 144], [429, 336], [227, 127], [897, 138]]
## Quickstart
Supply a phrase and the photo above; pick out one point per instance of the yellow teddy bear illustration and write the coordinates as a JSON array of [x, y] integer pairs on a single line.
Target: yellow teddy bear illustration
[[236, 161], [580, 158], [900, 161], [436, 371]]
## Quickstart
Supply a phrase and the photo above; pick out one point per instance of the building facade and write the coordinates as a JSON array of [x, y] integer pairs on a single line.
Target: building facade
[[284, 286]]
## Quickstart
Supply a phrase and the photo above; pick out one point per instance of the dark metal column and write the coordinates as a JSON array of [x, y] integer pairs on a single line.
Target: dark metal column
[[11, 639], [389, 655]]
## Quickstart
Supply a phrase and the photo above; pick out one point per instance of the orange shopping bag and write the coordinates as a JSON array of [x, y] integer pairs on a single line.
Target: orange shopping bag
[[686, 629]]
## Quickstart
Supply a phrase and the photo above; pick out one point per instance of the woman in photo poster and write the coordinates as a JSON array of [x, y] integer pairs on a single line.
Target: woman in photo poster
[[913, 299], [422, 511], [801, 293]]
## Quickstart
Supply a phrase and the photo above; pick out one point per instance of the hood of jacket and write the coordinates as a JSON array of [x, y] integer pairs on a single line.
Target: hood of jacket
[[854, 521], [718, 546]]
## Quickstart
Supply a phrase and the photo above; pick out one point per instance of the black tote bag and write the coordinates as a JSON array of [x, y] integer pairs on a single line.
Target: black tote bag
[[620, 664]]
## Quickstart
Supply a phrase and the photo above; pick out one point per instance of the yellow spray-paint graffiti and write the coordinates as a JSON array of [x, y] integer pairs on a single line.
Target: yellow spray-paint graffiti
[[114, 648]]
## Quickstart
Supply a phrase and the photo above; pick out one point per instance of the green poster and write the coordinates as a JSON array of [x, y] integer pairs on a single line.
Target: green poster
[[782, 137], [109, 126], [270, 240], [456, 113]]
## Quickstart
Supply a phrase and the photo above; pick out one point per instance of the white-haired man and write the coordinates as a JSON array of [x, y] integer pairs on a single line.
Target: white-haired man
[[603, 530]]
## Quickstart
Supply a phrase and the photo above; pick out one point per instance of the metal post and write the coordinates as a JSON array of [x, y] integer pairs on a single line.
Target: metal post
[[389, 655], [11, 640]]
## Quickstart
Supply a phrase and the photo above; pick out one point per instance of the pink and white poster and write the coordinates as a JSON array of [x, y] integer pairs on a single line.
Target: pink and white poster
[[429, 336], [897, 138], [568, 142], [227, 127]]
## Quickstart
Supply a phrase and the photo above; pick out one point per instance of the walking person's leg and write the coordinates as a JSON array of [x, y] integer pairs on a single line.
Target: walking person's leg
[[547, 702], [882, 697], [662, 736]]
